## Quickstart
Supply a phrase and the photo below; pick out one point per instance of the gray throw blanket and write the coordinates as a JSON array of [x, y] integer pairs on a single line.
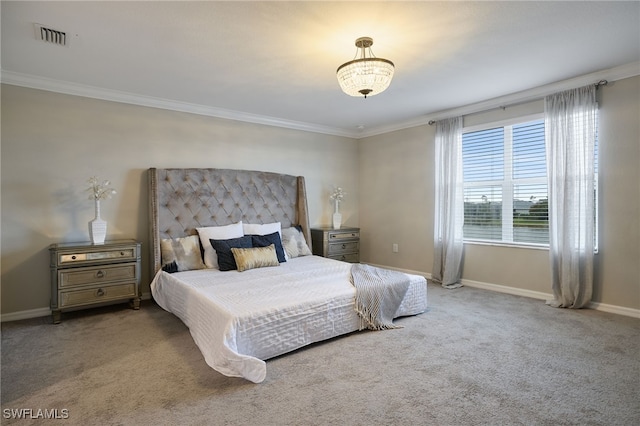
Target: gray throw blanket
[[379, 293]]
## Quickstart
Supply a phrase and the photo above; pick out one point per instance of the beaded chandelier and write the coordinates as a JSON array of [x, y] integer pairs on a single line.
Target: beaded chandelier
[[365, 76]]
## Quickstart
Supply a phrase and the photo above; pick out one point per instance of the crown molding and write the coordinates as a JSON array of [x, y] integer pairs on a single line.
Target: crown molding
[[35, 82], [537, 93]]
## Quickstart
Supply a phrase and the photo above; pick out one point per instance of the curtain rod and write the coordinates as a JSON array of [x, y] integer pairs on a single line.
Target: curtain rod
[[503, 107]]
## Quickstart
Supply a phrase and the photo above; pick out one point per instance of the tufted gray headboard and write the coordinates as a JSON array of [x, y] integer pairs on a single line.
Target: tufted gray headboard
[[180, 200]]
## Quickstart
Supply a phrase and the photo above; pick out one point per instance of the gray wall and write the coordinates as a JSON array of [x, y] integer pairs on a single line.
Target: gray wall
[[396, 205], [52, 143]]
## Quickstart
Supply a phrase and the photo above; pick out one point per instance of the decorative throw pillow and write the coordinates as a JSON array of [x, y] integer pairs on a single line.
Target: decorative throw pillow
[[257, 257], [266, 240], [226, 262], [181, 254], [294, 243], [217, 233]]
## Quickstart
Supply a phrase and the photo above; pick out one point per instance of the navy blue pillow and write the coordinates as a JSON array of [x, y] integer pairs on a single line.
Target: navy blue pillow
[[267, 240], [226, 261]]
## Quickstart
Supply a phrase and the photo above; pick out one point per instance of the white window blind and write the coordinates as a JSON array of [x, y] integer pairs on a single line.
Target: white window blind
[[505, 184]]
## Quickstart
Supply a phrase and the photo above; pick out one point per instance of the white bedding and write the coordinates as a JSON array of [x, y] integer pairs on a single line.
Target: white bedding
[[240, 319]]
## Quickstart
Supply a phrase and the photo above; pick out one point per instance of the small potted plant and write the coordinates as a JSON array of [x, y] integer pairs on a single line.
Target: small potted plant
[[337, 196], [98, 191]]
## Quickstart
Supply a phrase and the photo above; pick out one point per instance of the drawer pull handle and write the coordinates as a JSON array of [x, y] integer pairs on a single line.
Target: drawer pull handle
[[100, 274], [121, 253], [73, 257], [344, 246], [100, 292]]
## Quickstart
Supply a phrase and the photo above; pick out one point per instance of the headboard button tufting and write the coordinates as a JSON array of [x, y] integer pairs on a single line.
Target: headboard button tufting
[[184, 199]]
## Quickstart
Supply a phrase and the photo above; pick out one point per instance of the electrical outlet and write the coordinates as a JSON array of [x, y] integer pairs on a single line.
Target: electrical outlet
[[394, 248]]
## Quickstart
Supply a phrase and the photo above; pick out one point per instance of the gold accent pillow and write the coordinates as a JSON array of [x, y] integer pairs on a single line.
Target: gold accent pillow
[[256, 257]]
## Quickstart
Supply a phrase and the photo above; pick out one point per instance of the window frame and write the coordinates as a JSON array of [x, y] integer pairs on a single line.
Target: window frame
[[507, 182]]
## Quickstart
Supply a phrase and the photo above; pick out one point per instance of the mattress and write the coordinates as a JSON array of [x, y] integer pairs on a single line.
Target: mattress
[[240, 319]]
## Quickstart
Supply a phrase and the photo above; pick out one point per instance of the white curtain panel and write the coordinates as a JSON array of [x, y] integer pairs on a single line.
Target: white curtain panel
[[449, 204], [570, 128]]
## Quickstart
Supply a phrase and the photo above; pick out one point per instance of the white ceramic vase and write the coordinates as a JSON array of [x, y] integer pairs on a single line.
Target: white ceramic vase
[[337, 217], [98, 227]]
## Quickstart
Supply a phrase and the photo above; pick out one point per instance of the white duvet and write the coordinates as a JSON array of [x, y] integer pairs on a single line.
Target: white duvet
[[240, 319]]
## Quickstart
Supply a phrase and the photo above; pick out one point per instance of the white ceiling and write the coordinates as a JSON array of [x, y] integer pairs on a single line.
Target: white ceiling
[[275, 62]]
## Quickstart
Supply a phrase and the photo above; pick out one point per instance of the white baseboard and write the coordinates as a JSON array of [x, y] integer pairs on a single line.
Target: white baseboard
[[619, 310], [508, 290], [597, 306], [41, 312], [20, 315]]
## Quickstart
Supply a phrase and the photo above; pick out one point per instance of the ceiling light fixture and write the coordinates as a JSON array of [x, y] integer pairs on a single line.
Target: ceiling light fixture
[[366, 76]]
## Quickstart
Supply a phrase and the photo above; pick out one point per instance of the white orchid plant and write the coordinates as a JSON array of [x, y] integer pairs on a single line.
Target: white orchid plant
[[99, 190], [338, 194]]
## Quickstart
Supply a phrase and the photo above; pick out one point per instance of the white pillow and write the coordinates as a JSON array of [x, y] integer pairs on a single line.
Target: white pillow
[[225, 232], [262, 229]]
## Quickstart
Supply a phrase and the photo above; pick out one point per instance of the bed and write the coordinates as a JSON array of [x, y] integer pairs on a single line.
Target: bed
[[239, 318]]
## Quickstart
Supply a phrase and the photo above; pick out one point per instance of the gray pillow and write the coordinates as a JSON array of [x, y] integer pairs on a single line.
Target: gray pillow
[[294, 243]]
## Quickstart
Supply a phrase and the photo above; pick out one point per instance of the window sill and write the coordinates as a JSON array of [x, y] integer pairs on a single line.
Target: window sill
[[513, 245], [508, 245]]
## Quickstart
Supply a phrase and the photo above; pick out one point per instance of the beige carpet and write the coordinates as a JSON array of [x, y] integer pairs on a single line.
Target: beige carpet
[[475, 358]]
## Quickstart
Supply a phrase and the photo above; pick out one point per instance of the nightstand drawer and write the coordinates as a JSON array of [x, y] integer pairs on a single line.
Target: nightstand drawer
[[96, 295], [349, 257], [338, 236], [97, 256], [345, 247], [96, 275]]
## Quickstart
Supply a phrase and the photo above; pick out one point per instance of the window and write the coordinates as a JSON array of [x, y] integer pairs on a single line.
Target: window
[[505, 184]]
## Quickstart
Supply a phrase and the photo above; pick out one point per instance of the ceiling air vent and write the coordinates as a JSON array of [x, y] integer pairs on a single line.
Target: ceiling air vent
[[50, 35]]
